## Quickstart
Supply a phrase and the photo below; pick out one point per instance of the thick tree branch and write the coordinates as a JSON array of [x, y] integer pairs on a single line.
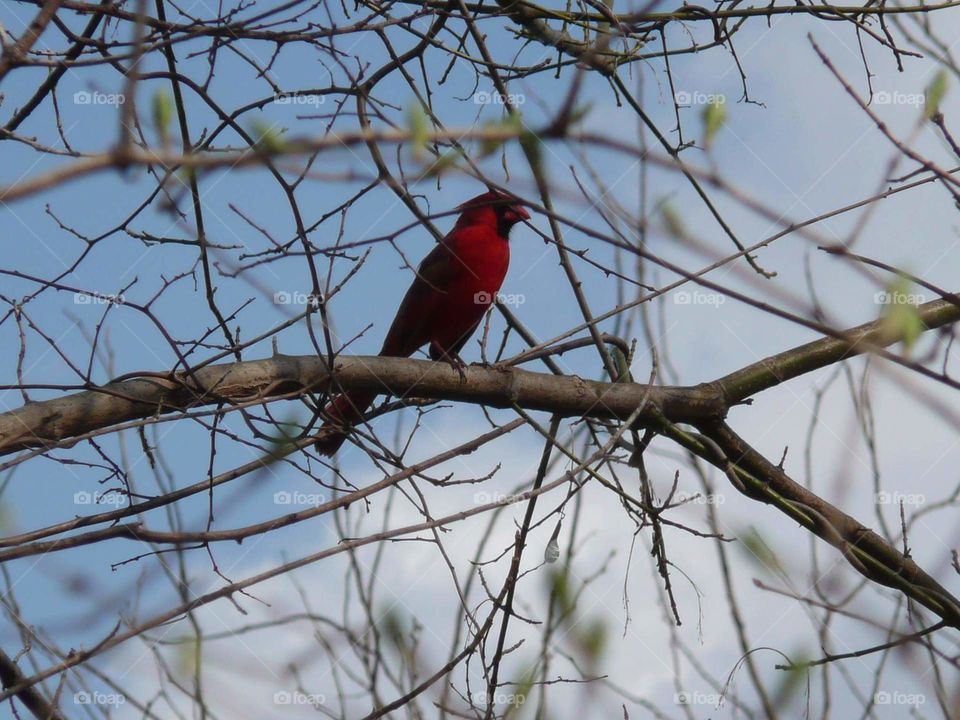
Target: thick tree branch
[[53, 421], [40, 423], [821, 353], [868, 553], [30, 696]]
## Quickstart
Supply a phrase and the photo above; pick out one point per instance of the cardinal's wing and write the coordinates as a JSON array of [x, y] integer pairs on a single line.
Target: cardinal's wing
[[414, 320]]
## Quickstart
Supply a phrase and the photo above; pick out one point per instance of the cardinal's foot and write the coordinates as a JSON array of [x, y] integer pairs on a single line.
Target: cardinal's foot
[[457, 364], [451, 358]]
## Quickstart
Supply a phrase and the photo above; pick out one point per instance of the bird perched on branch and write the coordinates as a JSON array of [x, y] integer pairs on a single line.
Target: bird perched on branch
[[455, 285]]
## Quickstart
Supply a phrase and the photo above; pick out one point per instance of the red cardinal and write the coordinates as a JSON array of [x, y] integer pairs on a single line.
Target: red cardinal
[[455, 284]]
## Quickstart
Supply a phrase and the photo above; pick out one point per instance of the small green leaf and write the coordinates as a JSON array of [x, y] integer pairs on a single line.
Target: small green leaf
[[714, 116], [560, 586], [514, 121], [934, 94], [593, 639], [904, 322], [266, 139], [488, 146], [187, 656], [623, 367], [531, 143], [391, 625], [525, 686], [419, 129], [187, 175], [757, 550], [579, 114], [280, 446], [792, 680], [901, 320], [672, 220], [512, 124], [443, 163], [162, 114]]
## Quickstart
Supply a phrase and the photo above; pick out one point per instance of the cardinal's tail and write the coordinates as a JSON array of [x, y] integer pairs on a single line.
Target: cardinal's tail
[[345, 410]]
